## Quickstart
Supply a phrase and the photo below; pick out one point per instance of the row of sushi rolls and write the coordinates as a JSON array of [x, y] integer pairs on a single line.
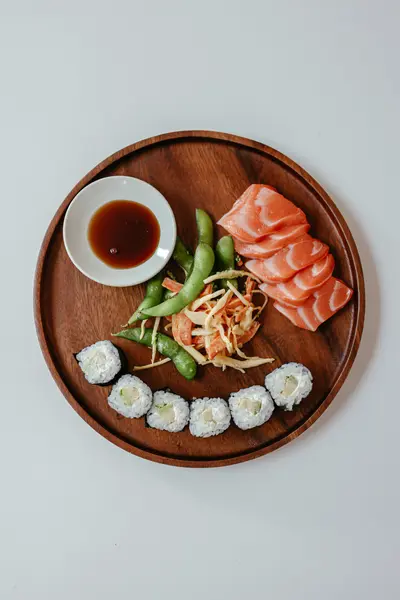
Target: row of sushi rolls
[[214, 312], [131, 397]]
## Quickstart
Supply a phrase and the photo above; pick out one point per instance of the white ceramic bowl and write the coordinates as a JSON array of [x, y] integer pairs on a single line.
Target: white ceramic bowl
[[86, 203]]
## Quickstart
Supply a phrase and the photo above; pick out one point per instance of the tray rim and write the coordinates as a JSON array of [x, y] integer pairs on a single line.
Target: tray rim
[[346, 234]]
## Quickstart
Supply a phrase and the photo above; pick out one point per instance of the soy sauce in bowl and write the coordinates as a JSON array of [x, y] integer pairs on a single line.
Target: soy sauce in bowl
[[123, 234]]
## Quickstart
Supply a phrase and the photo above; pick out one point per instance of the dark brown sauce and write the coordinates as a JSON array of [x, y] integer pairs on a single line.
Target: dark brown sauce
[[123, 234]]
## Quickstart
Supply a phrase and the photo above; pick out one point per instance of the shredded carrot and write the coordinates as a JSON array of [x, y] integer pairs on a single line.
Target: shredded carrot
[[207, 290], [199, 342], [184, 326], [248, 335], [216, 346], [234, 303], [172, 285], [250, 286]]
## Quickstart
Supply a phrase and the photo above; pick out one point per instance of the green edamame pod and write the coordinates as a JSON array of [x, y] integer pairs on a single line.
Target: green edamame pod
[[225, 257], [153, 296], [184, 363], [202, 266], [204, 227], [182, 256], [168, 294]]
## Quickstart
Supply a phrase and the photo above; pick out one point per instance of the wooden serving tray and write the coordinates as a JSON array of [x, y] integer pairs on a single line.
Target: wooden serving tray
[[208, 170]]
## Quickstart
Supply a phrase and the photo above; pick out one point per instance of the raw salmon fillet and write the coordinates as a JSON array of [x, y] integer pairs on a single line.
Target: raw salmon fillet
[[324, 303], [287, 262], [259, 211], [272, 243], [296, 291]]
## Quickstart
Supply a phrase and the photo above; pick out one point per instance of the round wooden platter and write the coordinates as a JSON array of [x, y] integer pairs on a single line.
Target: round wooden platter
[[208, 170]]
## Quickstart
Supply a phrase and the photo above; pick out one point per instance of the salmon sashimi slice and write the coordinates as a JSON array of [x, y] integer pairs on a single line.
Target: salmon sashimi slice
[[288, 261], [272, 243], [296, 291], [259, 211], [324, 303]]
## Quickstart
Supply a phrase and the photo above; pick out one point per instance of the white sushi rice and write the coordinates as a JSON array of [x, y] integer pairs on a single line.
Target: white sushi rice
[[209, 416], [99, 362], [169, 412], [130, 397], [289, 384], [251, 407]]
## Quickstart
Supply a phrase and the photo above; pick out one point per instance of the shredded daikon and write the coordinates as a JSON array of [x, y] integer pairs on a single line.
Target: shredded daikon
[[225, 339], [154, 339], [143, 329], [220, 304], [230, 274], [247, 321], [207, 343], [266, 298], [237, 330], [197, 303], [151, 365], [240, 365], [238, 294], [198, 318], [201, 331], [198, 357], [238, 351]]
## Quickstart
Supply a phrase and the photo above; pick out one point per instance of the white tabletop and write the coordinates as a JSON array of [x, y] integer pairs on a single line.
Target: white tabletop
[[81, 518]]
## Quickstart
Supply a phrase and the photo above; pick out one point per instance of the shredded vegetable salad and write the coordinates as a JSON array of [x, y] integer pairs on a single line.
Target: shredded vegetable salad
[[207, 319], [215, 326]]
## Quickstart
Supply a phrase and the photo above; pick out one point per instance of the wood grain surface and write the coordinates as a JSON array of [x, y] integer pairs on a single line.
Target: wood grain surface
[[207, 170]]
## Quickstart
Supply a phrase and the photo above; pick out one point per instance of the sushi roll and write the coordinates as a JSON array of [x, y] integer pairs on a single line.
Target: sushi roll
[[209, 416], [101, 362], [289, 384], [168, 412], [130, 397], [251, 407]]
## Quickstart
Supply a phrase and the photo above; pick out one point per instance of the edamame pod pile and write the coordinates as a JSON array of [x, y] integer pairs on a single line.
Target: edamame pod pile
[[154, 294], [202, 267], [182, 256]]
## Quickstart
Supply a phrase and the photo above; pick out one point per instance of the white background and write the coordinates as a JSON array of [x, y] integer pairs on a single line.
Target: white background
[[80, 518]]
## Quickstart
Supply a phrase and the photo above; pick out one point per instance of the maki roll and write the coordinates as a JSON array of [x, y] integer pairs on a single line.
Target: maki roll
[[130, 397], [251, 407], [101, 362], [209, 416], [169, 412], [289, 384]]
